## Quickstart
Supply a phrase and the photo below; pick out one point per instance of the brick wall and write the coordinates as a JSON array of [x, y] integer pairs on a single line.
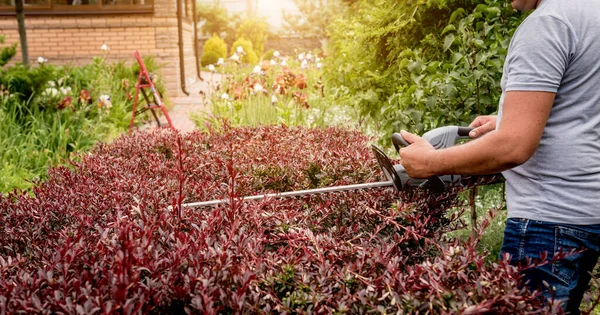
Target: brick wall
[[77, 39]]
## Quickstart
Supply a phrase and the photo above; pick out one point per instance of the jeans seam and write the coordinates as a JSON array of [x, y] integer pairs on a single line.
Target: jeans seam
[[522, 240], [555, 267]]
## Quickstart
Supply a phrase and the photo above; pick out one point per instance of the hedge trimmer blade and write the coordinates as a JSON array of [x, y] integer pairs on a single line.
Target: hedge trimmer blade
[[293, 194], [382, 159], [395, 174]]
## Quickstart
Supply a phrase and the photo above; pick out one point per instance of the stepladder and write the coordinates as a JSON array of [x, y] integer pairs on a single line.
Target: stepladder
[[150, 99]]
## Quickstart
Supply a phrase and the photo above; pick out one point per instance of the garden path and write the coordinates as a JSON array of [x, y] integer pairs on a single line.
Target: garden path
[[195, 102]]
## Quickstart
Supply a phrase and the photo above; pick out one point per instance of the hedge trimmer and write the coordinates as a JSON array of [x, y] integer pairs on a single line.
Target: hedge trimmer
[[396, 176]]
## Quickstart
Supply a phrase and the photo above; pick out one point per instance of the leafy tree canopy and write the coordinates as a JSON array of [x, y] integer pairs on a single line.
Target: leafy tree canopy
[[256, 30], [217, 20], [314, 16], [417, 65]]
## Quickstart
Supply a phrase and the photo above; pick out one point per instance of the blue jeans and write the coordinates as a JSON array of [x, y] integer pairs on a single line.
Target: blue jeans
[[569, 277]]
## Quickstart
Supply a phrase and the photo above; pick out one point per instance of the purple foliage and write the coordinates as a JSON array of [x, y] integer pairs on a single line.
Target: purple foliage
[[99, 238]]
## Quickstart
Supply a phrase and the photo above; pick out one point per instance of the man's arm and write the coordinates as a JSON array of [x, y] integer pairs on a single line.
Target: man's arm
[[523, 120]]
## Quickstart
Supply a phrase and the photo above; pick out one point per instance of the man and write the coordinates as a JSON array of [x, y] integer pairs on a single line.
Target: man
[[545, 140]]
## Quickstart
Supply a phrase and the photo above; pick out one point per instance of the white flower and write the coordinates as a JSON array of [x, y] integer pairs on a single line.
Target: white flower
[[301, 56], [235, 57], [105, 100], [276, 53], [41, 60], [240, 49], [319, 65], [283, 63], [212, 68], [304, 64], [273, 62], [257, 70], [220, 61], [65, 90], [258, 88], [309, 56], [52, 92], [225, 96], [51, 83], [317, 59], [104, 48], [273, 99]]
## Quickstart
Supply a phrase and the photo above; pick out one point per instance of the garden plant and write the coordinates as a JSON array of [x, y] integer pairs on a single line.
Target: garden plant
[[48, 112], [108, 234], [104, 231]]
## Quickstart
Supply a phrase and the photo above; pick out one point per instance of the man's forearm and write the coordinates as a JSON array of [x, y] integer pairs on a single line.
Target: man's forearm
[[493, 153]]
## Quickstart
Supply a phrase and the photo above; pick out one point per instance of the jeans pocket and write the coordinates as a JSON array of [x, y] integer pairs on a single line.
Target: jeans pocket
[[567, 239]]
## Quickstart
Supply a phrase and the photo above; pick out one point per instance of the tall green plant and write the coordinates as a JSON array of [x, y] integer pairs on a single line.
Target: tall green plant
[[412, 65]]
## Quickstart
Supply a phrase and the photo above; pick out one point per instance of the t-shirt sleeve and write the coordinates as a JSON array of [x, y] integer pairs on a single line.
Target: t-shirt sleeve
[[539, 55]]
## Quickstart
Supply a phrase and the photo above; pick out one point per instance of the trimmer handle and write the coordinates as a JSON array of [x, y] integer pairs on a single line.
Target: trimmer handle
[[439, 138]]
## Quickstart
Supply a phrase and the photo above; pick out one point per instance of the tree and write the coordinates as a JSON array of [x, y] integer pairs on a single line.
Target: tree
[[217, 20], [255, 30], [314, 17], [419, 65], [22, 31]]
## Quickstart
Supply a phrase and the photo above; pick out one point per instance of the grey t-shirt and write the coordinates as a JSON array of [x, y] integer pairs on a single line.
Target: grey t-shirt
[[557, 49]]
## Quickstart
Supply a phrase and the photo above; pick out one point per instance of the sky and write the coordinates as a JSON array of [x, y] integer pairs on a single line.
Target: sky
[[271, 9]]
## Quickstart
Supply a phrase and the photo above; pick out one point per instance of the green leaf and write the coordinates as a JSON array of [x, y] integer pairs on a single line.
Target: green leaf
[[448, 28], [416, 115], [493, 11], [455, 14], [448, 41], [403, 63], [456, 57], [414, 66]]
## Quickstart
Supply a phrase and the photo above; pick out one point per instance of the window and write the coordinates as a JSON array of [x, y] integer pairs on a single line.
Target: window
[[34, 7]]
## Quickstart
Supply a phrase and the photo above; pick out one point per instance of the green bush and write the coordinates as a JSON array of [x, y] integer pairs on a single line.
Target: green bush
[[256, 31], [217, 45], [49, 112], [250, 56], [6, 53], [423, 64], [268, 55], [209, 58]]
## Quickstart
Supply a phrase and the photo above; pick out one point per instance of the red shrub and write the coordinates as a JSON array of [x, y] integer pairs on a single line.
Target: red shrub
[[100, 238]]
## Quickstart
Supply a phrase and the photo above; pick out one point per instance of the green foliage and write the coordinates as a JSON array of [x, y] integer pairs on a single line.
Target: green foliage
[[217, 20], [49, 112], [313, 17], [217, 45], [270, 107], [209, 58], [256, 31], [250, 56], [6, 53], [268, 55], [417, 65]]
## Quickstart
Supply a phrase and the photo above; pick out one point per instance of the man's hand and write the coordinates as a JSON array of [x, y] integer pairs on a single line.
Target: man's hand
[[416, 158], [482, 125]]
